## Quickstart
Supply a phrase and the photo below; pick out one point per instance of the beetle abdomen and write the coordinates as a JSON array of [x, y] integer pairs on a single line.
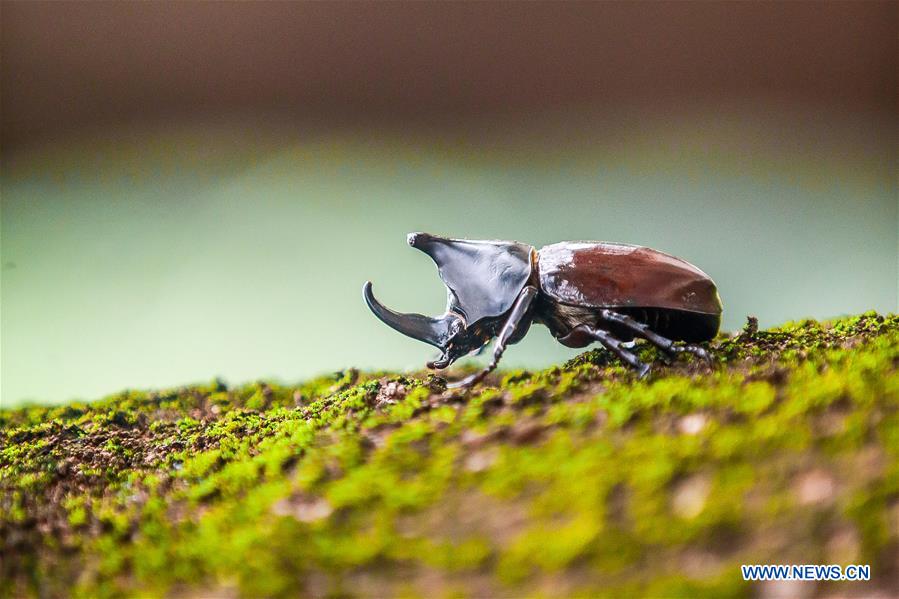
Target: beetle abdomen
[[619, 276], [677, 325]]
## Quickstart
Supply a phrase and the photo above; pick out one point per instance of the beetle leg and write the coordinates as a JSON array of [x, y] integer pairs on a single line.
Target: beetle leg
[[699, 352], [519, 309], [611, 343], [642, 330], [614, 345]]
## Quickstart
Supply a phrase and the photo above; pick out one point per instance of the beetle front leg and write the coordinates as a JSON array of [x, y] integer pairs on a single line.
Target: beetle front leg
[[519, 309], [663, 343]]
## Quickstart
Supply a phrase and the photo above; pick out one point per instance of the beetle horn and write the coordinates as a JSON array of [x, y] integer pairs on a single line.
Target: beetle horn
[[435, 331]]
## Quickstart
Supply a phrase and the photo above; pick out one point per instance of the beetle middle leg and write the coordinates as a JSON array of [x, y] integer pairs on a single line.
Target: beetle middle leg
[[642, 330], [611, 343]]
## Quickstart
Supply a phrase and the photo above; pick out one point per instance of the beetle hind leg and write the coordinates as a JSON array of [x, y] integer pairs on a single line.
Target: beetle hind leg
[[614, 345], [663, 343], [699, 352]]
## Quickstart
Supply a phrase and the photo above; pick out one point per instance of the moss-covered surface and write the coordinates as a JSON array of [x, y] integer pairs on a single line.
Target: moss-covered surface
[[577, 480]]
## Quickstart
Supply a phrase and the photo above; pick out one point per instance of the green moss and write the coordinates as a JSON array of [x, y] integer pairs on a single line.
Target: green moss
[[577, 480]]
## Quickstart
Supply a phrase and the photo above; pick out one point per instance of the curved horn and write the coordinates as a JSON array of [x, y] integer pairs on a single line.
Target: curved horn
[[436, 331]]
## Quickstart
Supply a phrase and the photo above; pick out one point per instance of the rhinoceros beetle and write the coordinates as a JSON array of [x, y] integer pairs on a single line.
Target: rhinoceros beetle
[[582, 291]]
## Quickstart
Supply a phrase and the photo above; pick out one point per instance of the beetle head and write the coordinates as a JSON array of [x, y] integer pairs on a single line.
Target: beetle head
[[482, 278]]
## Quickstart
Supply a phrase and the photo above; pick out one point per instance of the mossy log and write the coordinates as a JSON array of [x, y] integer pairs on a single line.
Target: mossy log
[[577, 480]]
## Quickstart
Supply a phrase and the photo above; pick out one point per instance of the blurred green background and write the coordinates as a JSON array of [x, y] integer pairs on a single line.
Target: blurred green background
[[200, 190]]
